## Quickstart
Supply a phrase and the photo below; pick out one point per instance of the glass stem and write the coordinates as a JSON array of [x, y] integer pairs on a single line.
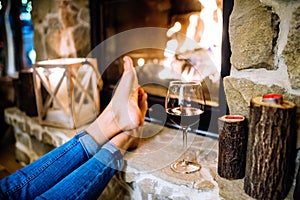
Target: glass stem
[[184, 140]]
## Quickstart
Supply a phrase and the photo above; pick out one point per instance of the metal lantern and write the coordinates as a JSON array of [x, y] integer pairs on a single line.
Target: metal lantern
[[67, 91]]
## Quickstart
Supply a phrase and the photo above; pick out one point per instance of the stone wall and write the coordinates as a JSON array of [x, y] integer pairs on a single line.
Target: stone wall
[[33, 140], [61, 28], [265, 45]]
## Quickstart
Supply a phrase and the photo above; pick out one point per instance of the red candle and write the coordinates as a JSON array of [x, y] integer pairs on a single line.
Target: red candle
[[236, 117], [273, 98]]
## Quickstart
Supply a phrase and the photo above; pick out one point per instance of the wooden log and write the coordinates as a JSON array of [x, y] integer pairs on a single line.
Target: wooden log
[[232, 146], [271, 148]]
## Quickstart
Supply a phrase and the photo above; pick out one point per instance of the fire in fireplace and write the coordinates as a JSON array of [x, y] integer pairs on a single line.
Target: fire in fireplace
[[167, 40]]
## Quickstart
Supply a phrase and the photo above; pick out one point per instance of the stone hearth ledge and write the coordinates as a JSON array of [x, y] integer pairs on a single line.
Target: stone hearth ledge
[[148, 166], [147, 174]]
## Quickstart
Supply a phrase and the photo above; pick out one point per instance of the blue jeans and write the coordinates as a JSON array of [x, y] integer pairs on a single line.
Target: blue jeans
[[79, 169]]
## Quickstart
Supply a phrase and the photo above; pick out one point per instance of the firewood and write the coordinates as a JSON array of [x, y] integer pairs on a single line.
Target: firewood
[[271, 148], [232, 146]]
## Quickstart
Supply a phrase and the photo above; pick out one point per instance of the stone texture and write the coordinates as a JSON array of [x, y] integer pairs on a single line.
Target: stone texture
[[246, 82], [82, 46], [226, 188], [62, 28], [68, 13], [252, 33], [32, 139], [23, 138], [239, 91], [22, 157], [42, 8], [291, 51], [226, 185], [148, 166]]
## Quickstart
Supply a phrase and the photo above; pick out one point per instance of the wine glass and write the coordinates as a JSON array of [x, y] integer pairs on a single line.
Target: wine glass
[[184, 104]]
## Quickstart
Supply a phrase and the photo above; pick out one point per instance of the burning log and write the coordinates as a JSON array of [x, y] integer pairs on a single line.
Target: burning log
[[232, 146], [201, 63], [271, 149]]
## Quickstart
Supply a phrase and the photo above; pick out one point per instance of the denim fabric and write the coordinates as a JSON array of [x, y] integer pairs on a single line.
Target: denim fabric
[[90, 179], [88, 143], [66, 170]]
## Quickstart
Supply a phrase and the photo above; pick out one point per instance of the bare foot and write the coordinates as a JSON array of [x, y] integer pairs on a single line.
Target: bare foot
[[124, 102], [125, 111]]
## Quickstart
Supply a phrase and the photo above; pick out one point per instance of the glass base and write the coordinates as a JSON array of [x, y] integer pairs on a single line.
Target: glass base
[[185, 167]]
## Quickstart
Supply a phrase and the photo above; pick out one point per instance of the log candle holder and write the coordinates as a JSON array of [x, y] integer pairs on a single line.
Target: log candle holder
[[271, 149], [232, 146]]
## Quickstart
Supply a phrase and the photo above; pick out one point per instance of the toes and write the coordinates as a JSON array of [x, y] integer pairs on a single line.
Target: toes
[[128, 64]]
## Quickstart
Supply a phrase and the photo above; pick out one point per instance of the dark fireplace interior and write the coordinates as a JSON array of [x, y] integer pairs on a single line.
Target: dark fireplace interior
[[170, 22]]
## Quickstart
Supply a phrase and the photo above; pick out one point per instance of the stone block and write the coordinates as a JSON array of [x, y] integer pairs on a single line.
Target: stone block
[[166, 191], [21, 125], [23, 138], [37, 133], [252, 33], [27, 127], [32, 139], [68, 14], [22, 156], [60, 22], [58, 138], [291, 52], [82, 46], [46, 137], [148, 185], [239, 92], [226, 186], [84, 14]]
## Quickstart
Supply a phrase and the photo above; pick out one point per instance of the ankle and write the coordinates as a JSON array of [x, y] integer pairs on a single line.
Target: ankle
[[104, 127]]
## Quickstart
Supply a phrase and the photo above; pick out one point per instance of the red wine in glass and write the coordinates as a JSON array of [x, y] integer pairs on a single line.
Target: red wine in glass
[[184, 104], [184, 116]]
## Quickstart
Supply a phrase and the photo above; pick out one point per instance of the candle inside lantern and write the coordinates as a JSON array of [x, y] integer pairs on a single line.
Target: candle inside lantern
[[56, 105], [67, 91], [57, 81]]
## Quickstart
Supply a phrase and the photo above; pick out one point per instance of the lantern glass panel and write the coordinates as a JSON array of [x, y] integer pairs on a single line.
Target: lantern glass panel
[[67, 91]]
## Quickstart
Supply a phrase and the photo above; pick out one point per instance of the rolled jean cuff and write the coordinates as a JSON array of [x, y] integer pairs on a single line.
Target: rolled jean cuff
[[110, 156], [88, 143]]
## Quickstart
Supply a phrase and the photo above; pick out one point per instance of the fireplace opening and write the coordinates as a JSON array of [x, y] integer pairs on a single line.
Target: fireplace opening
[[188, 41]]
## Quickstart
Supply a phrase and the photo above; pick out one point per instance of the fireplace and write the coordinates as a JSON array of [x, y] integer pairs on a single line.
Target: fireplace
[[164, 40]]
